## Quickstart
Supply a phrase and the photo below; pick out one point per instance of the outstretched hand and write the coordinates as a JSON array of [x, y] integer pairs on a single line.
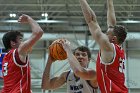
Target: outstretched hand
[[66, 45], [24, 18]]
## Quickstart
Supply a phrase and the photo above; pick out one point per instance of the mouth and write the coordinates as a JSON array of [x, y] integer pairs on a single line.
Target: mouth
[[80, 61]]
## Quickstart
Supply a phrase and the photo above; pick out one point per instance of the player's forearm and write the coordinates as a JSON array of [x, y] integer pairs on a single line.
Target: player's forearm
[[75, 65], [90, 18], [87, 11], [111, 19], [46, 76], [79, 70], [36, 29]]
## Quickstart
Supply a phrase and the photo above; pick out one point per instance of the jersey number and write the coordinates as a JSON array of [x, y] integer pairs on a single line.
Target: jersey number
[[5, 70], [121, 67]]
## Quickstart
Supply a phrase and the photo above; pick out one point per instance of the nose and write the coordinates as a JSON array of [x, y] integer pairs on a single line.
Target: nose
[[80, 59]]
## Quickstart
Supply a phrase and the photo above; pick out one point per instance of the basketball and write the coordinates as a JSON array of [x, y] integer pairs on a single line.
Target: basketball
[[57, 51]]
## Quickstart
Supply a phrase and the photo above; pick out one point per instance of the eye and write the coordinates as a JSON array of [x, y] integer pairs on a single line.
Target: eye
[[84, 54], [77, 54]]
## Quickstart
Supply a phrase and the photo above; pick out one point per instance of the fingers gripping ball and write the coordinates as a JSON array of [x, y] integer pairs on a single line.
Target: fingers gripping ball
[[57, 51]]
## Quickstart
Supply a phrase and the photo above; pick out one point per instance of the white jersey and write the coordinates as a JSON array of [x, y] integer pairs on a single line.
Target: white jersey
[[78, 85]]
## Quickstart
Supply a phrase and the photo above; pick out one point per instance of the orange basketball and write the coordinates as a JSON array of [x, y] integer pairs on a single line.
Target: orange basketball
[[57, 51]]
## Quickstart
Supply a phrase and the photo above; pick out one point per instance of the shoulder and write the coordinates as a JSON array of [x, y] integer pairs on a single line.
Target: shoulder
[[8, 55]]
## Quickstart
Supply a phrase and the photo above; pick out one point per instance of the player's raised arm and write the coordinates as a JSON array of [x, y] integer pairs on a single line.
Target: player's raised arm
[[75, 63], [37, 33], [49, 82], [94, 27], [111, 18], [87, 12]]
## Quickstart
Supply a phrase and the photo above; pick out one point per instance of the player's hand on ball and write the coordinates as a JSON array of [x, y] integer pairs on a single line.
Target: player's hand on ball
[[66, 45], [57, 51], [51, 59]]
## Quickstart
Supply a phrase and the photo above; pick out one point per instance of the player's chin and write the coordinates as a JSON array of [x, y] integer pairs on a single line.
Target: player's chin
[[81, 63]]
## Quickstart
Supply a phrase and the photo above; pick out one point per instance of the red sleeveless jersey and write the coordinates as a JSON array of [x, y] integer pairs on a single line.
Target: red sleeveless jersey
[[16, 75], [111, 76]]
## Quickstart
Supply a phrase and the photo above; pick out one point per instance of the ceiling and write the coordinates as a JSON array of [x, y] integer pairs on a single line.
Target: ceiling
[[65, 16]]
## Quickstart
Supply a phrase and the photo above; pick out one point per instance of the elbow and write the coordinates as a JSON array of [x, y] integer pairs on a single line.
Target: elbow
[[113, 22], [45, 84], [39, 33], [44, 87], [91, 19], [88, 21]]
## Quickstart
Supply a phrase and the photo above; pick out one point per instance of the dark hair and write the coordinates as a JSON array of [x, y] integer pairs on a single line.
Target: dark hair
[[120, 32], [10, 36], [83, 49]]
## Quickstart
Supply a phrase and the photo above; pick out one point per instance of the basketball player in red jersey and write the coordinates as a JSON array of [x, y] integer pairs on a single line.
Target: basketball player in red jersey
[[110, 60], [15, 65]]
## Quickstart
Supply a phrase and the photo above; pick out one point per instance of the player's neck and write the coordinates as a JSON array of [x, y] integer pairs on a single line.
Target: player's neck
[[77, 78]]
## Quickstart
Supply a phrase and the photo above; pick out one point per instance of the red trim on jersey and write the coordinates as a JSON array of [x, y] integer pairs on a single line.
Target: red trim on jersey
[[18, 59]]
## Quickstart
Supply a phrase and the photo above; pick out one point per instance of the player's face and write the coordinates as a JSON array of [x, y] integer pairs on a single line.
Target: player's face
[[110, 35], [82, 57], [19, 40]]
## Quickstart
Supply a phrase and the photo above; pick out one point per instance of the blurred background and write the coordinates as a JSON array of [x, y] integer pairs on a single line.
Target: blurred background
[[64, 19]]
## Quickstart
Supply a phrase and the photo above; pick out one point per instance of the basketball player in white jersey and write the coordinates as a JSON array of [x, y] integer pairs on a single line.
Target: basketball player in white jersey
[[79, 80]]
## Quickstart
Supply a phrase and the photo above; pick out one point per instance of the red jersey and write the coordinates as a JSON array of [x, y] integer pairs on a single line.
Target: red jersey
[[111, 76], [16, 74]]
